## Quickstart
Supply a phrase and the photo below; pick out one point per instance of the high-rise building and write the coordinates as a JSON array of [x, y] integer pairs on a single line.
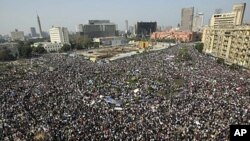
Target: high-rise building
[[126, 26], [239, 10], [159, 28], [230, 44], [79, 28], [17, 35], [198, 22], [229, 19], [187, 15], [33, 32], [132, 30], [59, 35], [144, 29], [45, 34], [40, 28], [228, 40], [99, 28]]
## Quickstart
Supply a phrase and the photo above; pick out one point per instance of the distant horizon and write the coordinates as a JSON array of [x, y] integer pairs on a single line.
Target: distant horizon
[[21, 15]]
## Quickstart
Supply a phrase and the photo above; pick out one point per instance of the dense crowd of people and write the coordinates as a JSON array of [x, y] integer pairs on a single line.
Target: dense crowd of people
[[146, 96]]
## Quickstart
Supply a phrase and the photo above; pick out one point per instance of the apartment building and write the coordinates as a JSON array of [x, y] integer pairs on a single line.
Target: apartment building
[[227, 38], [198, 22], [17, 35], [231, 44], [228, 20], [187, 16], [59, 35], [99, 28]]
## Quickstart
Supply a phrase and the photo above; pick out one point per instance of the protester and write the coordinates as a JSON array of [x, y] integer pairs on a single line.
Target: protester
[[147, 96]]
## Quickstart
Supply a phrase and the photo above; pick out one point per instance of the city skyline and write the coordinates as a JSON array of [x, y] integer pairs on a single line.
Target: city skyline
[[71, 13]]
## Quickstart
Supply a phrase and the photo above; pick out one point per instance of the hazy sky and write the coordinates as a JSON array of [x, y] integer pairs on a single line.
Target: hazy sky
[[21, 14]]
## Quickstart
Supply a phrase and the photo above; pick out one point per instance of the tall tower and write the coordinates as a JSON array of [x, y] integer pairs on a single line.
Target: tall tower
[[239, 10], [187, 15], [79, 28], [40, 28], [198, 21], [126, 26], [59, 35]]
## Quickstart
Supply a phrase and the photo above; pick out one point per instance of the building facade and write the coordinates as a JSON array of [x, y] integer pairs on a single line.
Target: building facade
[[231, 44], [198, 22], [48, 46], [79, 28], [178, 36], [227, 39], [59, 35], [132, 30], [33, 32], [111, 41], [187, 16], [239, 10], [126, 26], [144, 29], [228, 20], [223, 20], [17, 35], [99, 28]]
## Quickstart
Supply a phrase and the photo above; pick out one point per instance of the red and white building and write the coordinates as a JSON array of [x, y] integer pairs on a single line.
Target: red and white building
[[179, 36]]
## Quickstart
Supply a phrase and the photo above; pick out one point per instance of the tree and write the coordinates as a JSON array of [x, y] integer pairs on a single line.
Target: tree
[[20, 43], [2, 41], [65, 48], [83, 41], [73, 45], [29, 43], [78, 47], [234, 67], [39, 49], [24, 50], [220, 61], [5, 55], [96, 45], [199, 47]]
